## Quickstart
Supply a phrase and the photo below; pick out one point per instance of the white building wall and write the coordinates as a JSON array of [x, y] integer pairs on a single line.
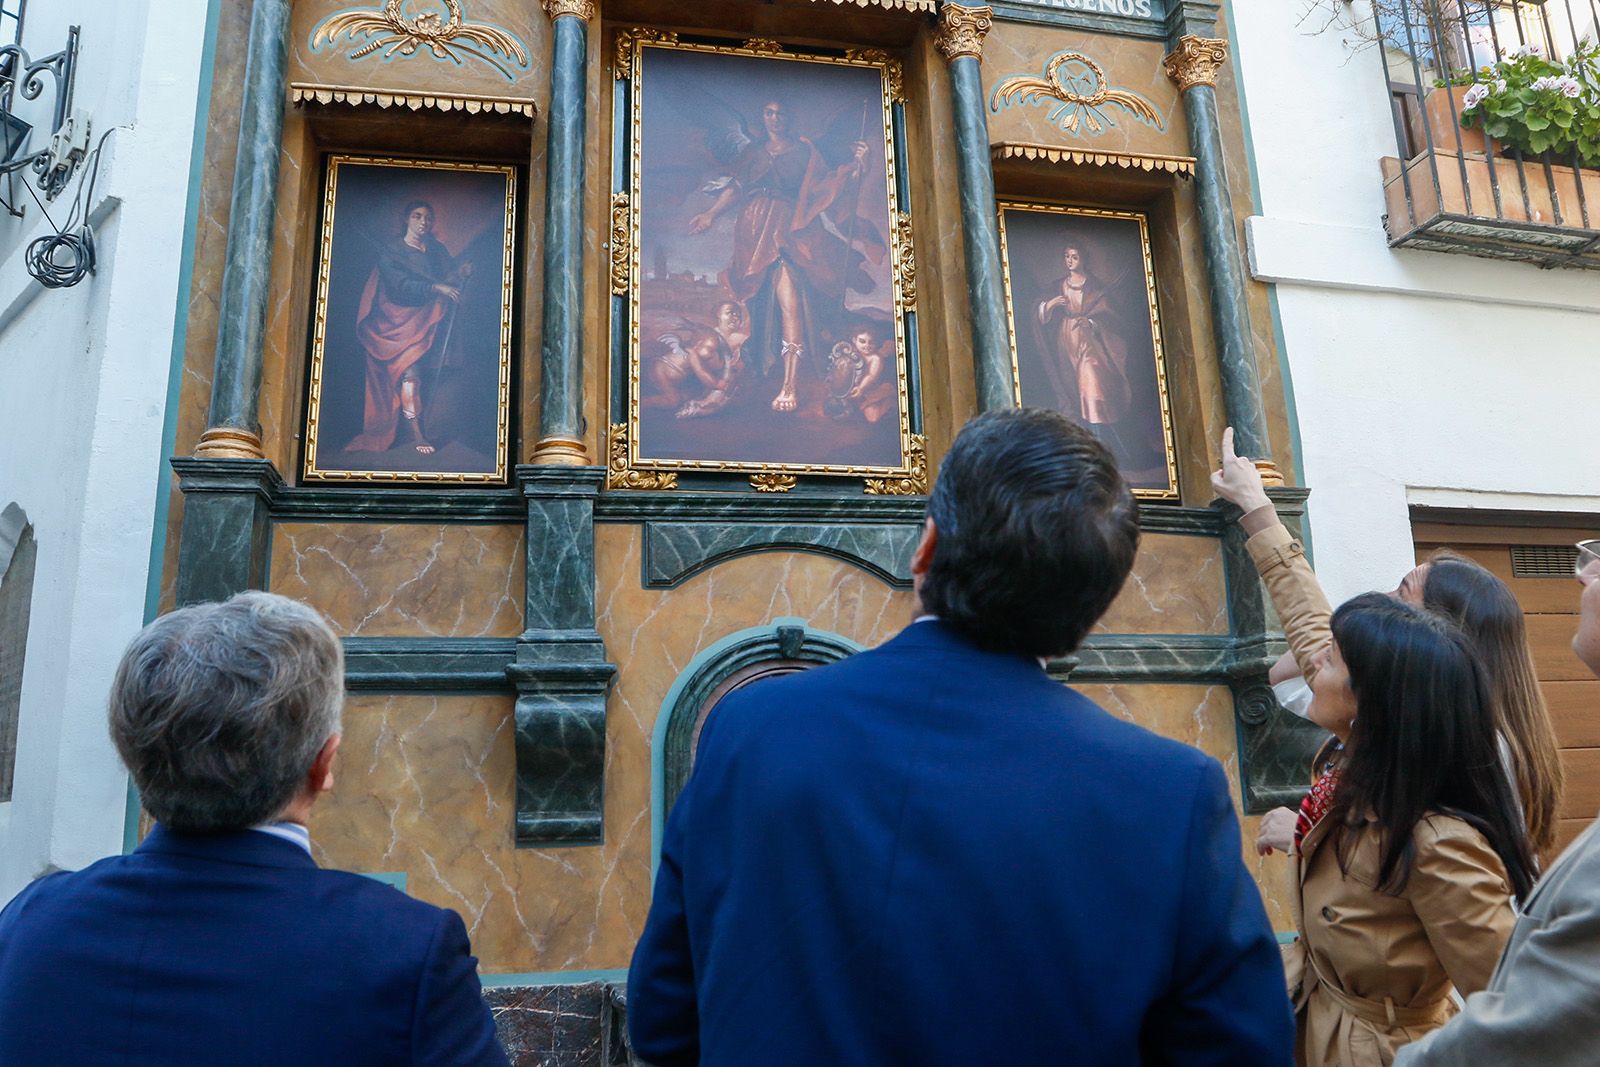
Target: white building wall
[[83, 394], [1418, 377]]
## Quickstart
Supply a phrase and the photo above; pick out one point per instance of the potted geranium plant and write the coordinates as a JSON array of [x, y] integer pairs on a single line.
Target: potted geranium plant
[[1540, 106]]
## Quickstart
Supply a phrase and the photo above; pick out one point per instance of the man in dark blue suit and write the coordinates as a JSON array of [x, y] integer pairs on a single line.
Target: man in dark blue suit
[[219, 940], [931, 853]]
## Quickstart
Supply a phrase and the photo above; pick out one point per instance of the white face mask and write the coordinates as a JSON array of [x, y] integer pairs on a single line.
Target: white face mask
[[1295, 695]]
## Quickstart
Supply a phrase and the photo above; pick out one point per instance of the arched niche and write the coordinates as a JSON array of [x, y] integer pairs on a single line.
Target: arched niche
[[740, 659]]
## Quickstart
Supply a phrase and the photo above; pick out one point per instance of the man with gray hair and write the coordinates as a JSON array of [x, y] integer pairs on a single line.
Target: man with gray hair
[[220, 939]]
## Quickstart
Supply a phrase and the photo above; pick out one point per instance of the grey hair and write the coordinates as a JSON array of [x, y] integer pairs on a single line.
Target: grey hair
[[219, 710]]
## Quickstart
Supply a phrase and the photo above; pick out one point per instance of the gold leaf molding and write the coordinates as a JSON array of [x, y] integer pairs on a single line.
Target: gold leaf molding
[[1127, 160], [924, 7], [357, 96]]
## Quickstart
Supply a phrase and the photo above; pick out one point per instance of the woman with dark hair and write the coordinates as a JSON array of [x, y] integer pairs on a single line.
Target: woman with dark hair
[[1410, 847], [1487, 611], [415, 288]]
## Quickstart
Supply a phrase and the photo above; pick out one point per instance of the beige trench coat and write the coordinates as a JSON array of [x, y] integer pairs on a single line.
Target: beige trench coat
[[1371, 971]]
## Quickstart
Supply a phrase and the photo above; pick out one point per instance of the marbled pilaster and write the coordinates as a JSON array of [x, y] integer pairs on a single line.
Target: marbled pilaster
[[561, 436], [561, 673], [960, 39], [236, 380]]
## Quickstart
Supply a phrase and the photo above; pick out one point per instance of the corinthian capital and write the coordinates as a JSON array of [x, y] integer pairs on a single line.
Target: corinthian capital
[[1195, 61], [583, 9], [961, 31]]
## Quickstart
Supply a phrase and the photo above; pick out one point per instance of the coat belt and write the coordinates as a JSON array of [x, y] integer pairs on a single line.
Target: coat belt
[[1378, 1012]]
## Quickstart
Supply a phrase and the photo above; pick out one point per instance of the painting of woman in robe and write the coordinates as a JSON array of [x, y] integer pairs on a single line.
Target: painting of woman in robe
[[410, 366], [1086, 334], [765, 186]]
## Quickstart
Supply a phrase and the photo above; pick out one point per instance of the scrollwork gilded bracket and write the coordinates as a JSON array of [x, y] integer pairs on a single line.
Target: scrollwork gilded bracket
[[622, 58], [619, 475], [621, 244], [914, 482]]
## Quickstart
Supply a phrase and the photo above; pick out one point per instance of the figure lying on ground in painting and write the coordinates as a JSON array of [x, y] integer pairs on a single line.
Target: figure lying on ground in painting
[[404, 326], [700, 370], [861, 379], [1088, 360], [796, 230]]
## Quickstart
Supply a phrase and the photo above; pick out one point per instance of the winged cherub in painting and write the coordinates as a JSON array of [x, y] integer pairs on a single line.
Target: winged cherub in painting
[[799, 238]]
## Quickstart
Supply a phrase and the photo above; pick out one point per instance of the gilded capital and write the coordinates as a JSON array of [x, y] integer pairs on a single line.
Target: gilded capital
[[961, 31], [1195, 61], [583, 9]]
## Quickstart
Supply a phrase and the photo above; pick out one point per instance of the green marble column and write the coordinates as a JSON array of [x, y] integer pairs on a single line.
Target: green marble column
[[561, 355], [233, 430], [960, 39], [1193, 65]]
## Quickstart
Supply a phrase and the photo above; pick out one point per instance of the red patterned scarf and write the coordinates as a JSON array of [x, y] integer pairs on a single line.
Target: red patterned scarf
[[1315, 805]]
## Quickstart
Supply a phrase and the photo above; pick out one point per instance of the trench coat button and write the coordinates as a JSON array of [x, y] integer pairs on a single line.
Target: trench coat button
[[1327, 914]]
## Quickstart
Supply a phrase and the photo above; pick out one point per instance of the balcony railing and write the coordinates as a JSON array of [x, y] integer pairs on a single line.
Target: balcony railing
[[1497, 154]]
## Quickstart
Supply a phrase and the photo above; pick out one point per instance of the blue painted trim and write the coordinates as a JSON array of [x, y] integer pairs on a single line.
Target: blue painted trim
[[614, 974], [180, 339], [658, 737], [394, 878]]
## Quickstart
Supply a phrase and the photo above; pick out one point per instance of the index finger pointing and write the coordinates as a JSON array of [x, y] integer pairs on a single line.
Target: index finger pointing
[[1228, 454]]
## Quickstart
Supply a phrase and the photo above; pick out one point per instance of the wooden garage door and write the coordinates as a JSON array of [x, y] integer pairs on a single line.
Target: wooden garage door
[[1536, 563]]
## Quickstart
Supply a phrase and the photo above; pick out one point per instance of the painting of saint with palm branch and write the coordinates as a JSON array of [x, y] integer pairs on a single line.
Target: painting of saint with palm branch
[[763, 220]]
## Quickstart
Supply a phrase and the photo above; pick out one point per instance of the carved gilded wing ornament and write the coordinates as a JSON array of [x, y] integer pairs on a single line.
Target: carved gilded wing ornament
[[1082, 93], [444, 34]]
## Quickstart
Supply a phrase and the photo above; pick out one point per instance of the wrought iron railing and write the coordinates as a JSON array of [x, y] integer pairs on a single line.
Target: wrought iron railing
[[1497, 152]]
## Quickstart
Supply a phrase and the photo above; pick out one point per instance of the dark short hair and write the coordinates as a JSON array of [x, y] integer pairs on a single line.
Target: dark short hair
[[219, 710], [1036, 533]]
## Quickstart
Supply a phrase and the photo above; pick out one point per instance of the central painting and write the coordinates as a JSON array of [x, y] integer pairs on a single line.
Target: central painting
[[764, 280]]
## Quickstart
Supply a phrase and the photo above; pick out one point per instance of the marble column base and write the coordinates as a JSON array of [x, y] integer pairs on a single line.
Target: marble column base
[[222, 549]]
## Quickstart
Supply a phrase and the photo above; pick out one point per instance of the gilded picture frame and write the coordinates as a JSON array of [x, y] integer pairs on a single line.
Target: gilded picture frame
[[411, 338], [1086, 336], [763, 276]]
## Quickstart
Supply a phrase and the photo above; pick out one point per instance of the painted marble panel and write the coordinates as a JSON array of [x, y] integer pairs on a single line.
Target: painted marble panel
[[413, 580], [426, 787], [654, 634], [500, 51], [1176, 588], [1202, 716], [1036, 78]]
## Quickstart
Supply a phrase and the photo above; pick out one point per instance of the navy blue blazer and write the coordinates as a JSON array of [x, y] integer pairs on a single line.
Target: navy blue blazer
[[239, 950], [931, 854]]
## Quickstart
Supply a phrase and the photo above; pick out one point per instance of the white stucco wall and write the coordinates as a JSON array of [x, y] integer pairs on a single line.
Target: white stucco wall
[[83, 392], [1418, 377]]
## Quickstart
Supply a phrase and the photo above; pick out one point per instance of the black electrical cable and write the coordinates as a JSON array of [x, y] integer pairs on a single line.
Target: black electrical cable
[[62, 259]]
